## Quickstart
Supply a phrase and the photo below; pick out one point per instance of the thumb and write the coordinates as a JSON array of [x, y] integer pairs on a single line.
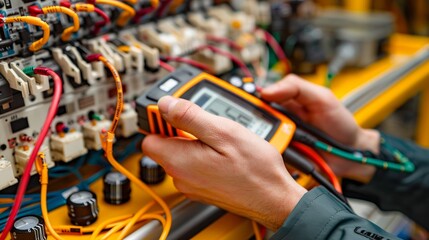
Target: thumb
[[187, 116]]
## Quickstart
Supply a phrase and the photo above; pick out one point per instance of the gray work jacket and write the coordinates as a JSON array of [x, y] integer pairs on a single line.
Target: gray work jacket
[[320, 215]]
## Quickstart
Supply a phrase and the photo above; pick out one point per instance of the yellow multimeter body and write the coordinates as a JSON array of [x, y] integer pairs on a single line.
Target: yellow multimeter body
[[217, 97]]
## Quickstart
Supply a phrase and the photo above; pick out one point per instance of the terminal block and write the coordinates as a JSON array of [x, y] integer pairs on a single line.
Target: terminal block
[[151, 55], [128, 122], [15, 82], [67, 146], [6, 172], [91, 132], [67, 60], [22, 155], [101, 46]]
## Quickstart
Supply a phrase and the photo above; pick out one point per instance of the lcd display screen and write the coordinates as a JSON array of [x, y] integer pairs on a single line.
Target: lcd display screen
[[224, 106]]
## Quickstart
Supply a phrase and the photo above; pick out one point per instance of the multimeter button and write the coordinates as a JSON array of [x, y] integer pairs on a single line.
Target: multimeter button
[[155, 94], [249, 87], [168, 85], [236, 81]]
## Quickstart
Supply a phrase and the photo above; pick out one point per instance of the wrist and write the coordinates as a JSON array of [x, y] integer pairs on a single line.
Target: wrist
[[367, 140], [284, 205]]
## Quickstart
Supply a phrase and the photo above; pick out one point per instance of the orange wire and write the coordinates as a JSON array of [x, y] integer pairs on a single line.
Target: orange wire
[[320, 162]]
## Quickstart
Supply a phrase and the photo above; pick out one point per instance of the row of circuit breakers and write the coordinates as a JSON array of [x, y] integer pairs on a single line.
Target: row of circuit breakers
[[133, 41]]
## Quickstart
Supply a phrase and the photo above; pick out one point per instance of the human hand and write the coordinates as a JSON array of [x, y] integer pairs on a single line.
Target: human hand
[[319, 107], [227, 166]]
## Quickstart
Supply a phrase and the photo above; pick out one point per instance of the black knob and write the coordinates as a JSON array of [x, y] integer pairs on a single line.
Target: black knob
[[82, 208], [150, 171], [116, 188], [29, 227]]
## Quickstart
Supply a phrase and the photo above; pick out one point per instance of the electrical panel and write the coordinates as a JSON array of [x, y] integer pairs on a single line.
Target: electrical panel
[[133, 40]]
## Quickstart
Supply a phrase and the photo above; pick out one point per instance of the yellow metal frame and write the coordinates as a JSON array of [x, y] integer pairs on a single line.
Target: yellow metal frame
[[401, 49]]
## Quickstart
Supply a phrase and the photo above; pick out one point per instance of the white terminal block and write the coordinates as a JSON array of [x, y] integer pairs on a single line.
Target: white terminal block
[[6, 172], [91, 133], [128, 122], [22, 155], [67, 147]]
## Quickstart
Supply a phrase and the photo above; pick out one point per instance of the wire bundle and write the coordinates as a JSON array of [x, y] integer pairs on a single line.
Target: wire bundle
[[43, 133]]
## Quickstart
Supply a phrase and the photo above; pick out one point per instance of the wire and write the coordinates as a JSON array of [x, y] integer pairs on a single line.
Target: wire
[[256, 231], [109, 136], [313, 130], [58, 86], [126, 15], [42, 168], [319, 161], [226, 41], [86, 7], [67, 33], [142, 12], [163, 8], [131, 1], [295, 159], [188, 61], [229, 55], [166, 66], [278, 50], [403, 163], [33, 21], [133, 220]]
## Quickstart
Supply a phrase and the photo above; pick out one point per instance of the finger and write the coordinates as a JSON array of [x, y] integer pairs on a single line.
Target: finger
[[306, 93], [185, 115], [296, 109], [173, 154]]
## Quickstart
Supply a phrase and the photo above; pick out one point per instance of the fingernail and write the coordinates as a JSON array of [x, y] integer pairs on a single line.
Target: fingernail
[[167, 103]]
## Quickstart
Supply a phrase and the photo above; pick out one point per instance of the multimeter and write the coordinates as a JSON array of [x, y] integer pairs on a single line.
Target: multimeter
[[217, 97]]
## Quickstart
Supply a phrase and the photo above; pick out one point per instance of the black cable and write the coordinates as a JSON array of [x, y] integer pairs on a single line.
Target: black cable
[[313, 130], [299, 162]]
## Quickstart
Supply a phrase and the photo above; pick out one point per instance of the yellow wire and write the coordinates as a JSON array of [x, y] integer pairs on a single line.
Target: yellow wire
[[70, 30], [42, 168], [37, 22], [131, 1], [256, 230], [125, 16], [141, 218], [155, 3], [83, 7], [108, 138], [135, 218], [104, 225]]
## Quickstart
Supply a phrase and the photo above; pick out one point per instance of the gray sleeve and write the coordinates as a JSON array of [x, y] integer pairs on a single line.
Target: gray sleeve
[[320, 215]]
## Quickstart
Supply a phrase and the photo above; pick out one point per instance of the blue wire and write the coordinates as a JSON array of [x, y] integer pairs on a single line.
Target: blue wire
[[55, 199]]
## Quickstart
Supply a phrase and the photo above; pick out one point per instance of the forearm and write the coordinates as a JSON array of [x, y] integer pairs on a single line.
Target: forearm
[[320, 215]]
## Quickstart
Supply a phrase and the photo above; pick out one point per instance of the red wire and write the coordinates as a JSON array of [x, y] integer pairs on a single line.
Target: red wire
[[103, 23], [163, 8], [229, 55], [140, 13], [58, 86], [166, 66], [278, 50], [227, 41], [318, 160], [191, 62]]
